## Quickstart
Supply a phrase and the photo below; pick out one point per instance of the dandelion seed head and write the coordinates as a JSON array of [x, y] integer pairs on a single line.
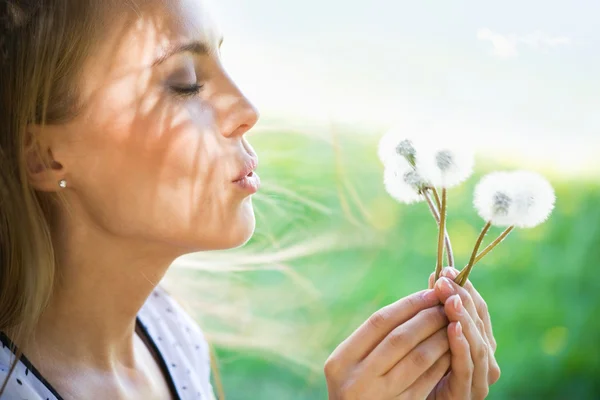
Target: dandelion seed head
[[394, 145], [407, 150], [444, 160], [493, 199], [412, 178], [446, 166], [501, 203], [534, 199], [520, 198], [401, 184]]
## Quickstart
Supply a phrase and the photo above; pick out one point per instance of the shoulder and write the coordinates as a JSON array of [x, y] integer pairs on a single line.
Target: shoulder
[[177, 335], [163, 310]]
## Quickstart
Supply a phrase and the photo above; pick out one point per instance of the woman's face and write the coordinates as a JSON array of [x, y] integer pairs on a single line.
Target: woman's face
[[158, 151]]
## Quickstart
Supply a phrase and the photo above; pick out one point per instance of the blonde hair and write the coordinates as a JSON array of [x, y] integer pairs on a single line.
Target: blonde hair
[[43, 45]]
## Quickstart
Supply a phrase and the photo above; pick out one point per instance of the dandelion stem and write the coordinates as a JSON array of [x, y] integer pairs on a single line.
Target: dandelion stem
[[495, 243], [437, 198], [436, 215], [442, 230], [461, 279]]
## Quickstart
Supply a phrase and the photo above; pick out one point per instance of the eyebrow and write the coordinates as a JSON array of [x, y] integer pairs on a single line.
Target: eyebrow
[[195, 47]]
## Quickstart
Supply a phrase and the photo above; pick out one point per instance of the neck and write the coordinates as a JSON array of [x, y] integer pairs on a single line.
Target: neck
[[102, 283]]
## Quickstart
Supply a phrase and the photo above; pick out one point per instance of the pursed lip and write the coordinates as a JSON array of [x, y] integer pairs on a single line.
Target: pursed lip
[[250, 164]]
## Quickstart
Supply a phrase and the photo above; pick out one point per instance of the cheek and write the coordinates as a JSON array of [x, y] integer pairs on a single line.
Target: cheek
[[162, 173]]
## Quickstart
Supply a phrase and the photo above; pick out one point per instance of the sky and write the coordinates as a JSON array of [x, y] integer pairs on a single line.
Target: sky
[[512, 77]]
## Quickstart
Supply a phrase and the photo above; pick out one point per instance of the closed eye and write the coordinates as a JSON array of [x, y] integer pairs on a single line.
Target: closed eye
[[188, 90]]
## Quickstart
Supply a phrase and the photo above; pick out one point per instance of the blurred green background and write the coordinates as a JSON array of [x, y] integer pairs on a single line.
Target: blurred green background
[[516, 79], [342, 248]]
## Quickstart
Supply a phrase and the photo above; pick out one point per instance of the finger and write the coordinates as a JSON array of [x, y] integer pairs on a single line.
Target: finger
[[480, 305], [404, 339], [431, 280], [479, 349], [460, 378], [427, 382], [417, 362], [484, 316], [364, 339], [446, 287]]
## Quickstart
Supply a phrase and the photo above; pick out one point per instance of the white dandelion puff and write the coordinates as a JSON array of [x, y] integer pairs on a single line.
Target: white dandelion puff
[[403, 184], [406, 148], [533, 200], [412, 178], [446, 166], [521, 198], [394, 145], [494, 198]]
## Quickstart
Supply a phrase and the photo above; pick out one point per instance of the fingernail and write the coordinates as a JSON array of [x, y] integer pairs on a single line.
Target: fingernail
[[458, 329], [450, 272], [457, 303], [429, 295], [446, 286]]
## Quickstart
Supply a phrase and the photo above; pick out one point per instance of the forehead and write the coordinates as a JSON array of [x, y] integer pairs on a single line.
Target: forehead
[[140, 33], [181, 20]]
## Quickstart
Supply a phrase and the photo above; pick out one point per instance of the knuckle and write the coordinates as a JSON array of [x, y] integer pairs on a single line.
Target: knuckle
[[494, 374], [420, 358], [411, 302], [480, 326], [483, 307], [435, 316], [466, 298], [469, 370], [397, 338], [332, 368], [429, 374], [481, 353], [379, 319], [494, 344], [484, 392]]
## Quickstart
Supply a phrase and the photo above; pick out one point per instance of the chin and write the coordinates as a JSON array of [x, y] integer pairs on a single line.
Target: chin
[[229, 233], [239, 237], [243, 228], [239, 230]]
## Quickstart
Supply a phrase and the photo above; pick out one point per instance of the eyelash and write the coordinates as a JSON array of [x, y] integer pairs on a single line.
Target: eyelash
[[187, 91]]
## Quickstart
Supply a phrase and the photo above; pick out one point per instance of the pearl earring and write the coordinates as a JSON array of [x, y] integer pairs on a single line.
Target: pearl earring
[[62, 183]]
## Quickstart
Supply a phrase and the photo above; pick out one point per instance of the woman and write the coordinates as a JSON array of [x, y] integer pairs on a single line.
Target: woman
[[122, 147]]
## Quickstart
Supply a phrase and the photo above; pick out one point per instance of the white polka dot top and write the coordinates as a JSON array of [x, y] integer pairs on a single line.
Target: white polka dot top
[[176, 338]]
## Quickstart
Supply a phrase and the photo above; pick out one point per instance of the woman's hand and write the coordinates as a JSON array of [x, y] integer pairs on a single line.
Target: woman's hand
[[400, 352], [472, 344]]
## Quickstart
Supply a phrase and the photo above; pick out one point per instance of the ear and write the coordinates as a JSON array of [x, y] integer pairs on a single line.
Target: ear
[[43, 171]]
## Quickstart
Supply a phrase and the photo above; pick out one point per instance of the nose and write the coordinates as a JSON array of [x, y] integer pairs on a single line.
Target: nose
[[235, 114]]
